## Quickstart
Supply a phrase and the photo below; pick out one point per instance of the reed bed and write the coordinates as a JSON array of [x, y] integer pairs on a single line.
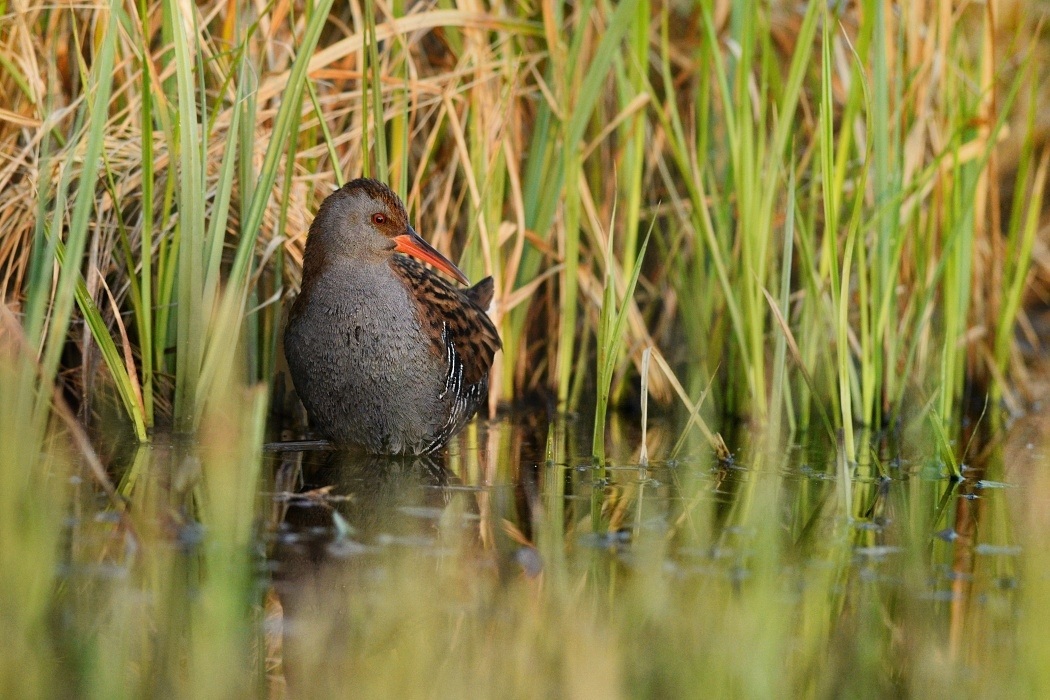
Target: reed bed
[[817, 219], [905, 141]]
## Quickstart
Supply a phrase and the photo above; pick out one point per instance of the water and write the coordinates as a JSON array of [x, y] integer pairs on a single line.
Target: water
[[515, 564]]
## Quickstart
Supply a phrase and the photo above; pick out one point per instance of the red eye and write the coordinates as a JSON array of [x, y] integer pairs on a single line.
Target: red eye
[[378, 219]]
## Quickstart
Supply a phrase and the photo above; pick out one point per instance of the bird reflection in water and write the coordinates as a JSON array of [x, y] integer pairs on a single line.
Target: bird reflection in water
[[346, 525]]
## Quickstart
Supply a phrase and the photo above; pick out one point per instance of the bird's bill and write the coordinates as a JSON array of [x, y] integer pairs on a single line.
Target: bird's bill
[[411, 244]]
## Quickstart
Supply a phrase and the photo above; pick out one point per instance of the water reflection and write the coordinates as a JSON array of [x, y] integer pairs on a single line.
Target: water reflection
[[329, 505], [506, 491], [344, 524], [518, 503], [334, 513]]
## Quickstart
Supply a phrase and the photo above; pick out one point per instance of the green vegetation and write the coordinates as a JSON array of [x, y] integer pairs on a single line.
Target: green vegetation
[[817, 220]]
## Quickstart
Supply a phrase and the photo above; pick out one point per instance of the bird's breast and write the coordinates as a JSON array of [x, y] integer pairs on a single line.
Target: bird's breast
[[370, 320], [363, 364]]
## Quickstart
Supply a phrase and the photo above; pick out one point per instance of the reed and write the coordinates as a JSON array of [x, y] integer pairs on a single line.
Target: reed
[[34, 494]]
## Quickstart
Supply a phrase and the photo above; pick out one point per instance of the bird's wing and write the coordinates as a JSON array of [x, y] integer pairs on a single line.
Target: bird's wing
[[459, 325]]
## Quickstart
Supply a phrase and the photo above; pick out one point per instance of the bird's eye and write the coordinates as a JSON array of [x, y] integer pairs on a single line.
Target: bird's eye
[[378, 219]]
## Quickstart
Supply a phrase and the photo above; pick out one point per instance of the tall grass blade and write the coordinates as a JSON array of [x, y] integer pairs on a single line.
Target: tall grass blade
[[192, 312], [588, 91], [77, 234], [612, 320]]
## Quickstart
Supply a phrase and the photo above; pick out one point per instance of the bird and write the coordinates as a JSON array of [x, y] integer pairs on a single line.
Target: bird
[[384, 354]]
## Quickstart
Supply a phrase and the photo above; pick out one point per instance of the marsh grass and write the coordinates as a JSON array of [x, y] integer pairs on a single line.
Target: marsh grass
[[523, 142], [820, 221]]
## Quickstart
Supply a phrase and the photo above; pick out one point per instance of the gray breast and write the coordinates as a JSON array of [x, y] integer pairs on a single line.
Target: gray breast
[[364, 368]]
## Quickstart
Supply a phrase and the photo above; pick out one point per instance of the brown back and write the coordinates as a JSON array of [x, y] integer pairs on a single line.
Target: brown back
[[461, 311]]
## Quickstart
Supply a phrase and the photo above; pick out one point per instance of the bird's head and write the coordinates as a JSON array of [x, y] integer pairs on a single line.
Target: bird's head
[[365, 221]]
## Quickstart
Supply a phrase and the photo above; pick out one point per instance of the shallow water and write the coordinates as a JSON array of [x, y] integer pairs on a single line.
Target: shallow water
[[930, 558], [515, 553]]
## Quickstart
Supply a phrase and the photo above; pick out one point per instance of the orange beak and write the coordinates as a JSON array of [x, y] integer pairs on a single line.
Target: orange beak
[[411, 244]]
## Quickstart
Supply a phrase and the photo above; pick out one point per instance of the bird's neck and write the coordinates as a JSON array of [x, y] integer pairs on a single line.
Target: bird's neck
[[335, 280]]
